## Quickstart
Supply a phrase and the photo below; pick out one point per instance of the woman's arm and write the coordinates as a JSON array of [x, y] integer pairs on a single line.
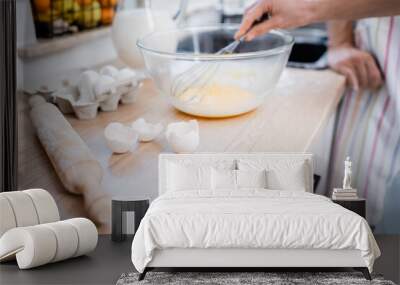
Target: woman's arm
[[295, 13], [359, 67], [355, 9]]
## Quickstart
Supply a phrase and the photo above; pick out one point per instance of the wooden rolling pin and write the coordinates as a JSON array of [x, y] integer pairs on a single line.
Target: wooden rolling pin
[[73, 161]]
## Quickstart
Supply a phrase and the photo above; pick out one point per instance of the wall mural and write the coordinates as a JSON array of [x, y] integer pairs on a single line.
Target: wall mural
[[96, 133]]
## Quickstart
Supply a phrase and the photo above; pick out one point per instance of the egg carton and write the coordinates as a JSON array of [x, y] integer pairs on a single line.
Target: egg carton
[[103, 90]]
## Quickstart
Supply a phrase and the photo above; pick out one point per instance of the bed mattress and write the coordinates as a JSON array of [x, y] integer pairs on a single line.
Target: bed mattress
[[250, 219]]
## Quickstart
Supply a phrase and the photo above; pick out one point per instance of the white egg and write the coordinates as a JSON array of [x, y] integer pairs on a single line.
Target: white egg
[[109, 70], [125, 76], [86, 83], [104, 84]]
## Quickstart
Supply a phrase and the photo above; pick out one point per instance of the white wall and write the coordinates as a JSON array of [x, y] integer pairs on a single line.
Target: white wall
[[50, 70]]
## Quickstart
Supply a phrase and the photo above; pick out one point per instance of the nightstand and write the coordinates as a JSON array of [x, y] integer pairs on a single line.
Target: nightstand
[[127, 212], [358, 205]]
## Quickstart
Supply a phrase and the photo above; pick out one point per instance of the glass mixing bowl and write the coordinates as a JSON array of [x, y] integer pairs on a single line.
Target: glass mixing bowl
[[185, 68]]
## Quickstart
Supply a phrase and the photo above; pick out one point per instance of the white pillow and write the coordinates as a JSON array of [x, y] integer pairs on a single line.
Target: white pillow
[[223, 179], [236, 179], [281, 174], [292, 179], [251, 178], [188, 177]]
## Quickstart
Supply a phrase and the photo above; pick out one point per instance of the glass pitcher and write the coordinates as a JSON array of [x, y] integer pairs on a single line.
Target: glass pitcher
[[135, 19]]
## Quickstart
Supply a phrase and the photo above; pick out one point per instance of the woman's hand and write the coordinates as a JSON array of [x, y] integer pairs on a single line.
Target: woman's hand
[[359, 67], [295, 13], [282, 14]]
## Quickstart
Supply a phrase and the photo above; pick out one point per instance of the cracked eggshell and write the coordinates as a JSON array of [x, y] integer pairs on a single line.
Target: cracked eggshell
[[109, 70], [183, 137], [120, 138], [86, 83], [85, 111], [146, 131]]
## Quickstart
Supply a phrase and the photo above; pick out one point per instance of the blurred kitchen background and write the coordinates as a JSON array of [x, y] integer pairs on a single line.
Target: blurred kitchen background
[[53, 34], [57, 38]]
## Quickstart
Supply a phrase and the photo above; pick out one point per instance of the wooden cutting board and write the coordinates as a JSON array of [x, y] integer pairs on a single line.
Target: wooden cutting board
[[288, 121]]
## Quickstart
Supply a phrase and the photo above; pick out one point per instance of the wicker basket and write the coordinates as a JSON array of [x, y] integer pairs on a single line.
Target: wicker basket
[[58, 17]]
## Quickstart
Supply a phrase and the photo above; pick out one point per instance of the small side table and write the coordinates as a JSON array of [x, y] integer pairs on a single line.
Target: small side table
[[357, 206], [123, 205]]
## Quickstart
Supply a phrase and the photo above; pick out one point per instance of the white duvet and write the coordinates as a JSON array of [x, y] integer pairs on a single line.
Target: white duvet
[[250, 218]]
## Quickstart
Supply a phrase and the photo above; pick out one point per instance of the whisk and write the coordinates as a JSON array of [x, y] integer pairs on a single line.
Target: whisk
[[200, 74]]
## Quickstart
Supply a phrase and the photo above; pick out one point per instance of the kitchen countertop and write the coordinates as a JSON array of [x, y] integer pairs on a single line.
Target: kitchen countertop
[[288, 121]]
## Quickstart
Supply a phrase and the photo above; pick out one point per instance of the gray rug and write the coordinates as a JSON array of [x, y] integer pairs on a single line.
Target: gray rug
[[243, 278]]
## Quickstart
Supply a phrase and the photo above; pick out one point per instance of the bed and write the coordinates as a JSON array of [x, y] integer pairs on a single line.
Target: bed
[[244, 211]]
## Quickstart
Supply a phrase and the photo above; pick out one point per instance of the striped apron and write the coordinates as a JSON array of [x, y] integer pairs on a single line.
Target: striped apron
[[368, 129]]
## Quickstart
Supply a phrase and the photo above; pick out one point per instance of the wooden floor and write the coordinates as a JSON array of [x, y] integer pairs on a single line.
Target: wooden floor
[[110, 260]]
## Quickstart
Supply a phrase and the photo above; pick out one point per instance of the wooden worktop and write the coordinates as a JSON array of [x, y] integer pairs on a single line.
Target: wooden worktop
[[288, 121]]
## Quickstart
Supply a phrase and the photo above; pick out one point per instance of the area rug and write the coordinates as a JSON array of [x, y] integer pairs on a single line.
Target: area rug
[[244, 278]]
